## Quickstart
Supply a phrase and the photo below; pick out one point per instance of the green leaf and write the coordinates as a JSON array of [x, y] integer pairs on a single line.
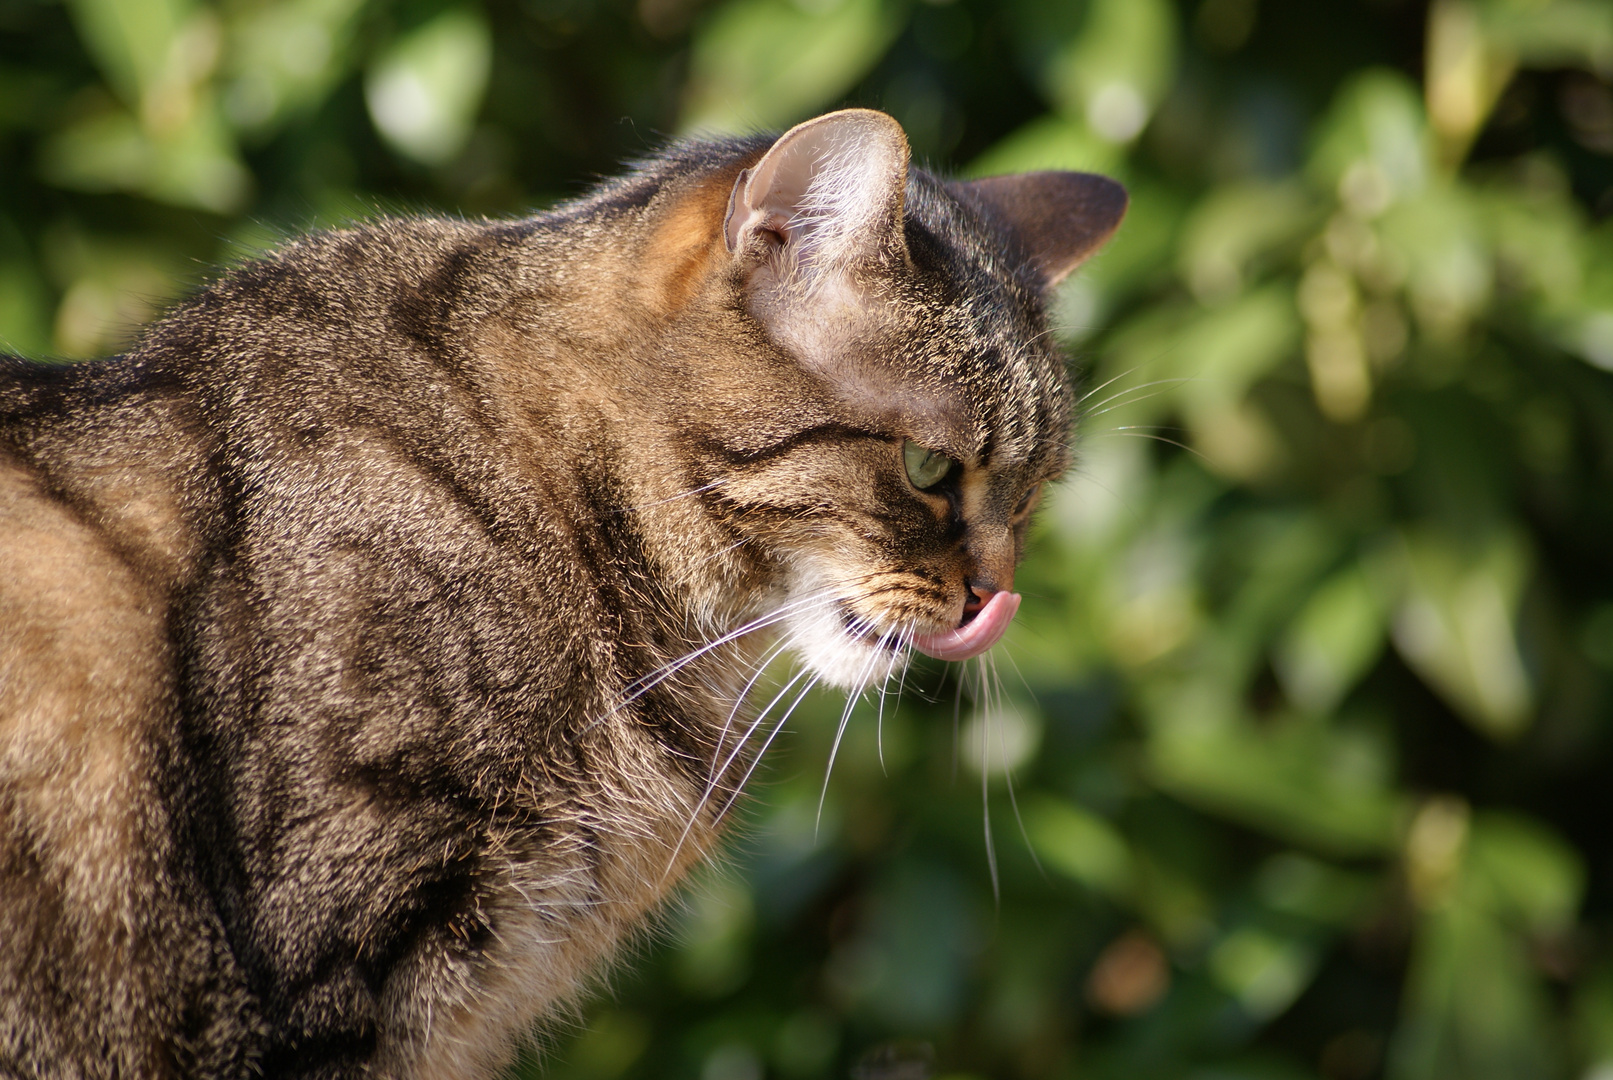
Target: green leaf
[[1335, 640], [132, 40], [1456, 626], [196, 165], [1559, 34], [1472, 1009], [1048, 142], [1232, 231], [285, 58], [425, 89], [1115, 73], [1374, 147], [1264, 970], [770, 63], [1298, 780], [1080, 844], [1475, 1005], [1296, 884], [1532, 875]]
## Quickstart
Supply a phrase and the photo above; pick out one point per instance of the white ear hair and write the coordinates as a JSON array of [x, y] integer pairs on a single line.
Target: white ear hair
[[828, 193]]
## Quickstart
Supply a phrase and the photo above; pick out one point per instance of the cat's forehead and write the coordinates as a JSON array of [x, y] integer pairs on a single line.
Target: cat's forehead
[[965, 360]]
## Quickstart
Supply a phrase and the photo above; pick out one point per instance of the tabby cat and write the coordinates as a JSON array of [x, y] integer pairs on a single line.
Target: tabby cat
[[375, 635]]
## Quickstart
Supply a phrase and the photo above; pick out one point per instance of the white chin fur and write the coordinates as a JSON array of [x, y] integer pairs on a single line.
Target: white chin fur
[[820, 638]]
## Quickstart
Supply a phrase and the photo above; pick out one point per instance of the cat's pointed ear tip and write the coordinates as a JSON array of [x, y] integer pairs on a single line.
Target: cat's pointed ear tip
[[1100, 201], [856, 115], [867, 123], [1104, 192], [823, 180], [1061, 218], [1106, 202], [1109, 197]]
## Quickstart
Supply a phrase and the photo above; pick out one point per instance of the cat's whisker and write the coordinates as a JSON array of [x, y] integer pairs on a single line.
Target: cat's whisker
[[985, 782], [583, 561], [716, 776], [892, 635], [879, 718], [1050, 332], [1018, 674], [1087, 395], [739, 701], [1128, 431], [739, 744], [909, 650], [767, 742], [641, 686], [1008, 771], [852, 697], [1081, 398], [1133, 395], [962, 671], [903, 636], [720, 767]]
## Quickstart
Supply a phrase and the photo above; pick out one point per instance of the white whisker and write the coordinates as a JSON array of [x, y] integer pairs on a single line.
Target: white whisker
[[845, 717], [879, 727], [767, 742], [962, 672], [1008, 772], [641, 686], [902, 640], [1111, 380], [905, 640], [716, 776], [1132, 395], [1148, 435], [739, 702], [983, 704]]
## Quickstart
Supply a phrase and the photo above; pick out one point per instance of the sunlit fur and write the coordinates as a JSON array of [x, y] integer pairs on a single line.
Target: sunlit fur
[[376, 636]]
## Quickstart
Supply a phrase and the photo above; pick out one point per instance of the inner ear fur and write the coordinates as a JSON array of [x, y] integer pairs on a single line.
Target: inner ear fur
[[1058, 218], [828, 194]]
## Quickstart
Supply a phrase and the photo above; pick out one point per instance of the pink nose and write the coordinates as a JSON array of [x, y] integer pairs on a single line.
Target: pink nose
[[979, 596], [977, 634]]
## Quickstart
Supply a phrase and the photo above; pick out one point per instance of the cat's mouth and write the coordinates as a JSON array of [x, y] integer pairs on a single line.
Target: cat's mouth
[[978, 633], [861, 631], [974, 636]]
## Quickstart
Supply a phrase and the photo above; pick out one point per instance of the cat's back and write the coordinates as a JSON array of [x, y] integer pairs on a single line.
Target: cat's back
[[80, 632], [125, 485], [322, 503], [94, 540], [93, 535], [340, 359]]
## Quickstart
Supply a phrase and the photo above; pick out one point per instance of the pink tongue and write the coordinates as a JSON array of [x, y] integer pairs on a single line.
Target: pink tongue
[[975, 636]]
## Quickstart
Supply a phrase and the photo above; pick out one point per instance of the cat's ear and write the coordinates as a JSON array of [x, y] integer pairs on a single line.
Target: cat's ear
[[827, 195], [1058, 218]]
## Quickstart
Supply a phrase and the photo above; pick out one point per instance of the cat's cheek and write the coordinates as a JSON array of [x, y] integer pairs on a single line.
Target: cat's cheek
[[817, 633]]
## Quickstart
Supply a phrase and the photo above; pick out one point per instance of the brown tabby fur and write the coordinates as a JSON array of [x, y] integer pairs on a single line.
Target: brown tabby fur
[[341, 724]]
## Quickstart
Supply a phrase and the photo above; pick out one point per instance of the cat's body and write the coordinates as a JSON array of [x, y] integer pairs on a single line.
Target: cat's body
[[342, 721]]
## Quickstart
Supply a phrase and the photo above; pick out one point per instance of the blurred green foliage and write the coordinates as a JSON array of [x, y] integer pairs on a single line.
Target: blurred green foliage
[[1307, 711]]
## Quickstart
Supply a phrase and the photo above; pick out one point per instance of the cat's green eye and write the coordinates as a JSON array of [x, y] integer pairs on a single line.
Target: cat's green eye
[[925, 467]]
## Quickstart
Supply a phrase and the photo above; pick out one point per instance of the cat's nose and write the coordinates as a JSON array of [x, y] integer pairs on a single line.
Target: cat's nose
[[989, 567], [979, 596]]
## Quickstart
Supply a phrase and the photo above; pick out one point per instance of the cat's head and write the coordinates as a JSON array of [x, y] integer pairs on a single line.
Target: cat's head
[[899, 403]]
